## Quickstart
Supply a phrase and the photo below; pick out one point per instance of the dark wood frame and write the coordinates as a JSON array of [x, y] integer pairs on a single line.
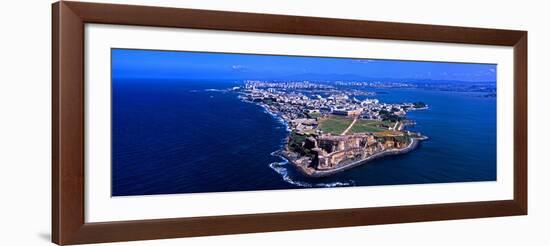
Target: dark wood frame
[[68, 224]]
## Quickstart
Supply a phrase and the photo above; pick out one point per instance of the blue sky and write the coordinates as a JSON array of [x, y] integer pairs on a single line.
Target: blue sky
[[202, 65]]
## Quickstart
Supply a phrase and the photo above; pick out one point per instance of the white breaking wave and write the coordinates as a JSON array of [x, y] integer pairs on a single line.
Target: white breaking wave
[[280, 168], [217, 90], [277, 117]]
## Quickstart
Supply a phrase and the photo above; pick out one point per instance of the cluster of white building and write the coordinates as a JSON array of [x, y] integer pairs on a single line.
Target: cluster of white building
[[293, 105]]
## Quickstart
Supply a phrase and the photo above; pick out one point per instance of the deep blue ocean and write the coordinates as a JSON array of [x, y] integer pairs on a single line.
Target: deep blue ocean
[[185, 137]]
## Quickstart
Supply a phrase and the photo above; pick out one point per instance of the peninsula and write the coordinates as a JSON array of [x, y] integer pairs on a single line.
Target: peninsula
[[330, 129]]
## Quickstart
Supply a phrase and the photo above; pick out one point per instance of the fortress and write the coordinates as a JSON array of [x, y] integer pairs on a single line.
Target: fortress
[[331, 151], [334, 133]]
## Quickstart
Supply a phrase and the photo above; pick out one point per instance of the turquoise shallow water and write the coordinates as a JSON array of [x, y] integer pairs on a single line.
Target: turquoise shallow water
[[185, 137]]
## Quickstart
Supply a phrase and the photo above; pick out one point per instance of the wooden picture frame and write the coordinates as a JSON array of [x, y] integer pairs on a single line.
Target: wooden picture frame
[[68, 223]]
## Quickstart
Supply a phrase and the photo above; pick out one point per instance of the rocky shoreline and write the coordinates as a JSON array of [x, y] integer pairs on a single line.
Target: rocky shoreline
[[339, 151], [314, 173]]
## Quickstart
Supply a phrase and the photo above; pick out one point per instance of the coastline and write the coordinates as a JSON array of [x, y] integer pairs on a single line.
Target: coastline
[[275, 115], [313, 173], [324, 173]]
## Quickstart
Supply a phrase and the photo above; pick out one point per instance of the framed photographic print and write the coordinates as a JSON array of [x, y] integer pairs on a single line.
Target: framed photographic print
[[176, 122]]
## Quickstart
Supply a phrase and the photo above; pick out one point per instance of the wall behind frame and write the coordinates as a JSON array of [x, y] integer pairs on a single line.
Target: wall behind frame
[[25, 141]]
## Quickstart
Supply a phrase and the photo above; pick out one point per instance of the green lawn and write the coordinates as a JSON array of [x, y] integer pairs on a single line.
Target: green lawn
[[334, 124], [370, 126]]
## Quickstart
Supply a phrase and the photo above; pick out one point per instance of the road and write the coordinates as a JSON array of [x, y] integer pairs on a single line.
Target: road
[[395, 126], [349, 127]]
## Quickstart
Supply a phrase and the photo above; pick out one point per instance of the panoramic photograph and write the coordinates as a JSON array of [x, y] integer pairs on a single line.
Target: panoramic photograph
[[194, 122]]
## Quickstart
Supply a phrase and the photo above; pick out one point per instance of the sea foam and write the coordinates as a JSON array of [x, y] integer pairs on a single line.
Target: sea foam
[[282, 169]]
